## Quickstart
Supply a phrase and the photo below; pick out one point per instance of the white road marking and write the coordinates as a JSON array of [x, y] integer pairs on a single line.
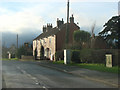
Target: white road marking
[[18, 67], [65, 70], [33, 78], [44, 87]]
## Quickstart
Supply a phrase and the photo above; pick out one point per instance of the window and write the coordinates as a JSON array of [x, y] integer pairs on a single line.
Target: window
[[49, 40], [37, 42], [44, 41], [40, 42]]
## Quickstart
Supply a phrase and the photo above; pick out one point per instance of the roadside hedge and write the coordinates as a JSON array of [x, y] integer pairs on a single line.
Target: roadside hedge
[[75, 56], [59, 55], [94, 56]]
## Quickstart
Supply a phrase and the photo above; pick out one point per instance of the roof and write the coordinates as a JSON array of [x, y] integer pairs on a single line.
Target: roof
[[52, 31]]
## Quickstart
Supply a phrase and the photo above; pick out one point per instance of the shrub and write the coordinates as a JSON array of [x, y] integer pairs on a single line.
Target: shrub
[[59, 55], [85, 55], [21, 51], [98, 56], [75, 56]]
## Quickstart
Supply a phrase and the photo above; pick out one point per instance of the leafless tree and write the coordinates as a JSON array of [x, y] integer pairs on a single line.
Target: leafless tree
[[92, 34], [92, 29]]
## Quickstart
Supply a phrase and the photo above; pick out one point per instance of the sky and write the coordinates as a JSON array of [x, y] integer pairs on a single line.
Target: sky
[[27, 17]]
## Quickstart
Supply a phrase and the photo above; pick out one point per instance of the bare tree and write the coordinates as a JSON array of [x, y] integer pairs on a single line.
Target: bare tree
[[92, 33], [93, 28]]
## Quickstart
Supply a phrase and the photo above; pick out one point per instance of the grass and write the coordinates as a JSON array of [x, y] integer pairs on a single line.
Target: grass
[[91, 66], [59, 62], [10, 59], [18, 59]]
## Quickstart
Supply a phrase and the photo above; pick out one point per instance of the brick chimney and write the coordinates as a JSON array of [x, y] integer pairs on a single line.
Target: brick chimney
[[49, 26], [59, 22], [72, 19], [44, 29]]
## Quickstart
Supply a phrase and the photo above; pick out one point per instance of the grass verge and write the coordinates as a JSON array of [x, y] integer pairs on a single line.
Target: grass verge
[[91, 66], [10, 59]]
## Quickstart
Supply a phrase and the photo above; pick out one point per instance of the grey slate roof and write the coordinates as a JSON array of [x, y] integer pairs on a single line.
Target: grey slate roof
[[52, 31]]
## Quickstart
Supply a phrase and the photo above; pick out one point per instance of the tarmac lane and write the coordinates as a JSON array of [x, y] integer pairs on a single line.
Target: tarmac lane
[[28, 74]]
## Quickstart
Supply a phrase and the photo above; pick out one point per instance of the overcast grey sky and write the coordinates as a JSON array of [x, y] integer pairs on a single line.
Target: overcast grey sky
[[29, 16]]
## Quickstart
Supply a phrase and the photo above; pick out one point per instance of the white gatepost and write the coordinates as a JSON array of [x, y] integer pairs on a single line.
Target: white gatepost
[[109, 60], [9, 56], [67, 56]]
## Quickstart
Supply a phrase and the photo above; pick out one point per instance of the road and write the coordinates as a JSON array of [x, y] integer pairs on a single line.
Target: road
[[29, 74]]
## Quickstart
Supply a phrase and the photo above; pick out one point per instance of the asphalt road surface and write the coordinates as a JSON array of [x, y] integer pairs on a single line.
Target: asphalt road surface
[[29, 74]]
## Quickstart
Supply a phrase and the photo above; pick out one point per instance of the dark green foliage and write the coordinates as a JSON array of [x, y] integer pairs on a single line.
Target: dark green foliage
[[42, 52], [86, 55], [59, 55], [21, 51], [81, 38], [75, 56], [98, 56], [4, 52], [111, 31], [94, 56]]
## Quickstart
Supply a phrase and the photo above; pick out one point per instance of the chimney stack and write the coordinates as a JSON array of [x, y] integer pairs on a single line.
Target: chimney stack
[[49, 27], [59, 22], [72, 19], [44, 29]]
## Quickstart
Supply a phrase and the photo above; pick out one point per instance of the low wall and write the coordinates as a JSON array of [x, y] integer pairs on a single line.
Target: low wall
[[27, 57]]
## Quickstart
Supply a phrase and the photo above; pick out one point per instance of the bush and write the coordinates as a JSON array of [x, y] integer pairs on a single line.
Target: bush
[[98, 56], [59, 55], [75, 56], [85, 55], [21, 51]]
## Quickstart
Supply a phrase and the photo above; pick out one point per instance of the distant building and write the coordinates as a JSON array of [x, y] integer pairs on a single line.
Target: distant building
[[53, 39]]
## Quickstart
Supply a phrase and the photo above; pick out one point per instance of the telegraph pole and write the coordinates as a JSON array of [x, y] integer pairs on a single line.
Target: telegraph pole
[[68, 12], [17, 41], [67, 26]]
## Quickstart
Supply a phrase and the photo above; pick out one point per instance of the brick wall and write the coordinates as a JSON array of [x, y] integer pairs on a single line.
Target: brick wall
[[60, 37], [27, 57]]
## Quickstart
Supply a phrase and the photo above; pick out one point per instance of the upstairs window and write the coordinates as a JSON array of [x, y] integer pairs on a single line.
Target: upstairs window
[[40, 42], [49, 40], [44, 41]]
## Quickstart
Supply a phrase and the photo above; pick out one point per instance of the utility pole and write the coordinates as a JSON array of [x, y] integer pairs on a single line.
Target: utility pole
[[67, 26], [17, 41]]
